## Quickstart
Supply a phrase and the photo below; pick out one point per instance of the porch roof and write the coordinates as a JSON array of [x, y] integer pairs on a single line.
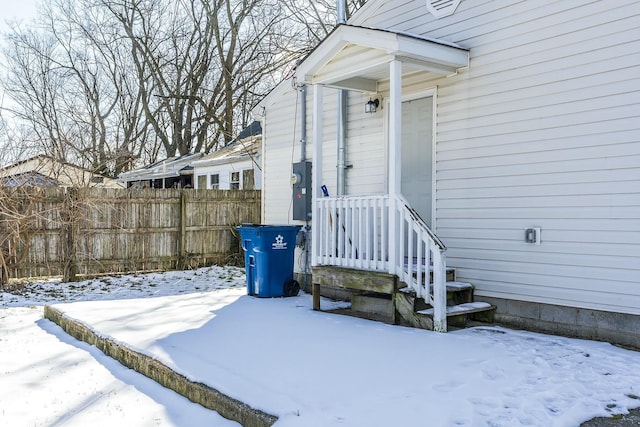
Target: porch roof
[[356, 58]]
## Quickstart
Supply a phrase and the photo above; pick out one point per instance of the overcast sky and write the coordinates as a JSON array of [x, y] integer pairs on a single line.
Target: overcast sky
[[16, 9]]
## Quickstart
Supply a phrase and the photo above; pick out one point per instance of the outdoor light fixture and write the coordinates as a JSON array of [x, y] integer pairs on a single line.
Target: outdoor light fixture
[[371, 106]]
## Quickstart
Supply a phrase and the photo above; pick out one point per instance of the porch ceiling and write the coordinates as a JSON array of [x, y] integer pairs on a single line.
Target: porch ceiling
[[356, 58]]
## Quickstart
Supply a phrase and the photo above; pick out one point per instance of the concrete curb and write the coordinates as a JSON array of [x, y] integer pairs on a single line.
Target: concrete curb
[[202, 394]]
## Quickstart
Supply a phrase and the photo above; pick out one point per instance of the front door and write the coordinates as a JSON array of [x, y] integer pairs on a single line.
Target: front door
[[417, 156]]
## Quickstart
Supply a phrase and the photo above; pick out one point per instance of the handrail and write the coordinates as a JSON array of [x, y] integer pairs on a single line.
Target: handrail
[[422, 261], [419, 219]]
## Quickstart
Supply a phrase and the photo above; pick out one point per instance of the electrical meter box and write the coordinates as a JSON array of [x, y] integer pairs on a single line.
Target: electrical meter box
[[301, 181]]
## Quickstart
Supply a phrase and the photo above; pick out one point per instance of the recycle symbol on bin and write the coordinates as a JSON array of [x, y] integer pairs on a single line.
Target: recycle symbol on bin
[[279, 243]]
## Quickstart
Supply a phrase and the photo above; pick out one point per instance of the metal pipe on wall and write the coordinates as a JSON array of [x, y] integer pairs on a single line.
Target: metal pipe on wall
[[342, 138], [341, 184], [303, 123], [341, 10]]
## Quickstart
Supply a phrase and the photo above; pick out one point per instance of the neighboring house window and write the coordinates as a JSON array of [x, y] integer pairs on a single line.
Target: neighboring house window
[[234, 184], [247, 180], [97, 179], [215, 181], [202, 182]]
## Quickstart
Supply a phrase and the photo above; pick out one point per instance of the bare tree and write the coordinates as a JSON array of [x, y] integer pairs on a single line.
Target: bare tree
[[203, 63], [315, 19], [35, 85], [102, 83], [71, 79]]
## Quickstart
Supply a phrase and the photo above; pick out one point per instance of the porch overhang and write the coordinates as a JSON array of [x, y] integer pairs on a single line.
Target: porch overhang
[[356, 58]]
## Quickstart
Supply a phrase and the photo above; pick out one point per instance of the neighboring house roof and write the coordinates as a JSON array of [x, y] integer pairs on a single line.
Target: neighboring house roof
[[254, 129], [170, 167], [31, 179], [247, 145], [46, 171], [183, 165]]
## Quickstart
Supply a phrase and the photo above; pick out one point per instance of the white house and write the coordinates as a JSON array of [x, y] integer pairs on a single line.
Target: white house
[[234, 167], [505, 145]]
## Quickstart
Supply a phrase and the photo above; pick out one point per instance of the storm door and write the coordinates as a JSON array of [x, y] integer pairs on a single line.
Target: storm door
[[417, 156]]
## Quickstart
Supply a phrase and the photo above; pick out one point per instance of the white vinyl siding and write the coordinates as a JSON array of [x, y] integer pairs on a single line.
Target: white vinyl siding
[[542, 130], [281, 148], [222, 174], [366, 151]]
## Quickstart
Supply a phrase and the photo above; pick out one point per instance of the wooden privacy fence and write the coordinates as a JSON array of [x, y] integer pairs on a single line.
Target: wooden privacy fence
[[91, 231]]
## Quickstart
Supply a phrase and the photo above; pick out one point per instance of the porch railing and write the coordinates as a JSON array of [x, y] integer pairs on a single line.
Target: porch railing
[[353, 232], [361, 232]]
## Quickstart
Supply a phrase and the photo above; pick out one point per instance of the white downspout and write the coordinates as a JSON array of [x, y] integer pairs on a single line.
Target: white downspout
[[341, 185]]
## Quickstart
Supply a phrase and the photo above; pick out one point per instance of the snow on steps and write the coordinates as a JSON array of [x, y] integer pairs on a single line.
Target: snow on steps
[[460, 307], [467, 307]]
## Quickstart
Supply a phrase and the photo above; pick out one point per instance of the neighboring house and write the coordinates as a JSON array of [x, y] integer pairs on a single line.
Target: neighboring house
[[505, 144], [235, 166], [46, 171], [173, 172]]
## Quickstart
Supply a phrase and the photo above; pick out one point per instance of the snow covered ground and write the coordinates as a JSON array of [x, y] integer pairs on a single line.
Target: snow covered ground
[[308, 368], [49, 379]]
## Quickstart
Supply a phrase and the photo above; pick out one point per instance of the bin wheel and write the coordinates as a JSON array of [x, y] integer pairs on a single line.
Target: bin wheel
[[291, 288]]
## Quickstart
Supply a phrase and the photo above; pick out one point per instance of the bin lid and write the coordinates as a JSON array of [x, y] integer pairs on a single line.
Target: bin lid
[[249, 225]]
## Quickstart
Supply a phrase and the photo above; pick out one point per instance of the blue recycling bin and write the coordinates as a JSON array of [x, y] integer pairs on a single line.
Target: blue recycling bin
[[268, 259]]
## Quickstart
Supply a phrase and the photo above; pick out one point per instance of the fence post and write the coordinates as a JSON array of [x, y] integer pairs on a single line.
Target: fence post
[[183, 231], [70, 207]]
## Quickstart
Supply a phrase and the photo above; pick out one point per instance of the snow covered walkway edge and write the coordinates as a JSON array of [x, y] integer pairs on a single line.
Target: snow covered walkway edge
[[202, 394]]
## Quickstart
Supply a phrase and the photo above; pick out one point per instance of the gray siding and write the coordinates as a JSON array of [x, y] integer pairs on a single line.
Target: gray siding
[[542, 130], [281, 148]]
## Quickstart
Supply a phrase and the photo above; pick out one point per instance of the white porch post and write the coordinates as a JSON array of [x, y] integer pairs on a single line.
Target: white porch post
[[395, 137], [316, 171]]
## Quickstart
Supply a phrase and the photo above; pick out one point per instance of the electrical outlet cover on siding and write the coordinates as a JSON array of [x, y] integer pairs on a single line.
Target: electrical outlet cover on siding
[[442, 8]]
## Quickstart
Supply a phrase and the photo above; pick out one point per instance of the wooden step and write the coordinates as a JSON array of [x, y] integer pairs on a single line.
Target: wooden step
[[415, 312], [458, 315], [457, 293], [450, 274], [355, 280], [466, 308], [458, 286]]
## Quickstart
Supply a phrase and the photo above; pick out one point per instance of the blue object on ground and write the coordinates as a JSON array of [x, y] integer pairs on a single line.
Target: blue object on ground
[[268, 259]]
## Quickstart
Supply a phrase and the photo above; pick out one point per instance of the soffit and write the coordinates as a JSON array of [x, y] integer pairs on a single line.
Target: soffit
[[357, 57]]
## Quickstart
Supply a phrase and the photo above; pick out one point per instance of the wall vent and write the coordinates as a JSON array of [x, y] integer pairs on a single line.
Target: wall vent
[[442, 8]]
